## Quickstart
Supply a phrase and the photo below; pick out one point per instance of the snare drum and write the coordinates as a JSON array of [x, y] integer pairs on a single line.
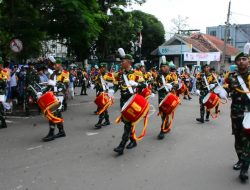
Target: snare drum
[[169, 104], [135, 108], [182, 88], [211, 100], [48, 101]]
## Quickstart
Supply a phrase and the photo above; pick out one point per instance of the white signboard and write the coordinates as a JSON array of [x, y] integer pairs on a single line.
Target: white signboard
[[16, 45], [211, 56], [174, 49]]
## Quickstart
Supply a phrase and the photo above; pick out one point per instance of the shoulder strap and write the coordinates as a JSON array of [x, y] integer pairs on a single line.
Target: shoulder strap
[[243, 85]]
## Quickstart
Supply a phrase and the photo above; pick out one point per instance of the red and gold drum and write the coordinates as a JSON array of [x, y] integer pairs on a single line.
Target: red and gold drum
[[211, 100], [48, 101], [169, 104], [103, 102], [135, 108], [182, 88], [146, 92]]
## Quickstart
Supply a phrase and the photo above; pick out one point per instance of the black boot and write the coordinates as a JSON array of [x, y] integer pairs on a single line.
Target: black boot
[[99, 124], [61, 132], [50, 136], [189, 97], [238, 165], [200, 120], [244, 172], [132, 144], [161, 135], [107, 122], [121, 147]]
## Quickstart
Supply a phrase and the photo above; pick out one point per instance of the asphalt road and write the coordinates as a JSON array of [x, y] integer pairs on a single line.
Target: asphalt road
[[192, 156]]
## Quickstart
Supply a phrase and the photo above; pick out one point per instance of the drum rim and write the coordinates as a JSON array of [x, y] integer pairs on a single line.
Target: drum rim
[[208, 95]]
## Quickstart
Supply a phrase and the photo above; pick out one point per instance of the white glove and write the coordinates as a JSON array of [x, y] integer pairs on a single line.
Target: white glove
[[92, 86], [152, 95], [111, 93], [39, 94], [52, 83], [133, 83], [198, 92], [211, 86], [169, 86], [109, 84]]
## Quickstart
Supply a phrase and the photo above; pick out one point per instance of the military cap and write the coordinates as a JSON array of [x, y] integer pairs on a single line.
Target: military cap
[[103, 64], [164, 64], [58, 61], [204, 66], [241, 54], [128, 56]]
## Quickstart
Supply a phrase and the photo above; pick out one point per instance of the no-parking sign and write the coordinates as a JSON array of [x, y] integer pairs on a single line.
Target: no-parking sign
[[16, 45]]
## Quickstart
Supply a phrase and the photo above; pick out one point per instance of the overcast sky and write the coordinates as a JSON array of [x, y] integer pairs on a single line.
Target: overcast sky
[[200, 13]]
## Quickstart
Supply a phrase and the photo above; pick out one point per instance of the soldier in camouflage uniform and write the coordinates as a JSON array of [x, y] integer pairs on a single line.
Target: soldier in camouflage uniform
[[125, 95], [162, 92], [100, 87], [202, 90], [31, 78], [240, 105], [3, 85], [62, 81]]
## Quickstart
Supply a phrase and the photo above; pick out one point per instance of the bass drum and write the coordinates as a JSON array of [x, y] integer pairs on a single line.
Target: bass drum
[[169, 104], [48, 101], [211, 100], [103, 102], [135, 108]]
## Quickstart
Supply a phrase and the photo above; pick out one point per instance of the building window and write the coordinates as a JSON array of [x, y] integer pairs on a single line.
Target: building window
[[213, 33]]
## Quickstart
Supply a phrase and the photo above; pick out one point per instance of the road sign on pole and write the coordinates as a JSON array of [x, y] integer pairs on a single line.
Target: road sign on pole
[[16, 45]]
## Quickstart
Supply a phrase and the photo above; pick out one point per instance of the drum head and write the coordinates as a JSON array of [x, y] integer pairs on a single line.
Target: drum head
[[205, 99], [246, 121], [217, 90], [128, 102]]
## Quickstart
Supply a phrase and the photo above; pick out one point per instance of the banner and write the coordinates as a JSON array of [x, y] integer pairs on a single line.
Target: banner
[[211, 56], [174, 49]]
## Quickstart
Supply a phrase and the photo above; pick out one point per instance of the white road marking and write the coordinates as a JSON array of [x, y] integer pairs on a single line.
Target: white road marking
[[19, 187], [78, 104], [32, 148], [17, 117], [8, 121], [91, 134]]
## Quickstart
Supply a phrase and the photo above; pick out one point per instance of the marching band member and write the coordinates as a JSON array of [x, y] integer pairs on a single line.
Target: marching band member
[[185, 78], [205, 81], [239, 87], [127, 91], [163, 80], [102, 87], [3, 85], [59, 87]]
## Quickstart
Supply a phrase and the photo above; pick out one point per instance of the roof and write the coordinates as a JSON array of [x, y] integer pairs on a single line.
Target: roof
[[202, 43]]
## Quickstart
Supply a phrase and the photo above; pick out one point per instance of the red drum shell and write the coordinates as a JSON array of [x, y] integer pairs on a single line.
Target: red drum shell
[[146, 92], [102, 100], [48, 101], [169, 104], [211, 100], [134, 108], [182, 89]]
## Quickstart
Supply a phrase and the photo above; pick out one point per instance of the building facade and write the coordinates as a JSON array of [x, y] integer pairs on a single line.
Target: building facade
[[238, 34]]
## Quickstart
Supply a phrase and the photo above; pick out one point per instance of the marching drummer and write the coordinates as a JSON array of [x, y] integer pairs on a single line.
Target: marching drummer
[[239, 87], [59, 89], [126, 83], [205, 81], [166, 82], [101, 85]]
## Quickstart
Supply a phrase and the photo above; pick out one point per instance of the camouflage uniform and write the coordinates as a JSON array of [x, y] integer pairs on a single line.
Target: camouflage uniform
[[201, 85], [240, 104], [3, 85]]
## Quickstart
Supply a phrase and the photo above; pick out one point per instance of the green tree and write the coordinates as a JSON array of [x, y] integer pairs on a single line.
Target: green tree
[[20, 19]]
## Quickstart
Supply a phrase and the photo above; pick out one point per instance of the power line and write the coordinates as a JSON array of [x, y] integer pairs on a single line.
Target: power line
[[241, 14]]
